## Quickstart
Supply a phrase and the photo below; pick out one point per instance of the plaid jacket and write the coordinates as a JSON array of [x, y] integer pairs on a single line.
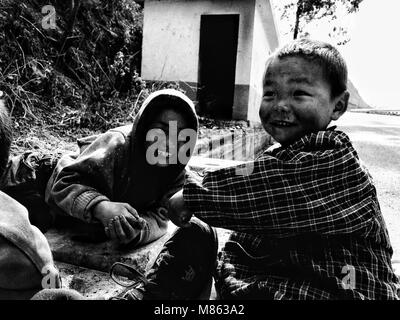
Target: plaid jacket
[[307, 224]]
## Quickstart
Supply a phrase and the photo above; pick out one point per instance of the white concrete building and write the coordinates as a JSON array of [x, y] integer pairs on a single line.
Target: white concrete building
[[215, 49]]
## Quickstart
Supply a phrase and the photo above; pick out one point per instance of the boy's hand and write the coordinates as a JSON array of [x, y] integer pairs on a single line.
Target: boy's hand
[[121, 222], [177, 211]]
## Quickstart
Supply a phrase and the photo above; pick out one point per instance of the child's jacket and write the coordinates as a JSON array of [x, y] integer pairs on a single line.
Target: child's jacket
[[113, 166], [307, 220], [26, 262]]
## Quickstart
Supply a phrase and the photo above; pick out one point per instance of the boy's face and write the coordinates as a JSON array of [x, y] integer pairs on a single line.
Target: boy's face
[[169, 147], [297, 99]]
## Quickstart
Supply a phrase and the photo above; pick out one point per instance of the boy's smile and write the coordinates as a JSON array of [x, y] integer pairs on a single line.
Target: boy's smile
[[296, 99]]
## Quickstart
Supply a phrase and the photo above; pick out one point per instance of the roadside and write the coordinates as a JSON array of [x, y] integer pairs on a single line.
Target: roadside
[[378, 111], [376, 138]]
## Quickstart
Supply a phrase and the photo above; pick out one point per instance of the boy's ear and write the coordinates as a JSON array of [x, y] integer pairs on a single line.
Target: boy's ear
[[341, 103]]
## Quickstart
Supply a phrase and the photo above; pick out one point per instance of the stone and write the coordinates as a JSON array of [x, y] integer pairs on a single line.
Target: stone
[[101, 256]]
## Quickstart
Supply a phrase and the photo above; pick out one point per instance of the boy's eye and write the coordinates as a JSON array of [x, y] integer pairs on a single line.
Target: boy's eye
[[268, 94], [299, 93]]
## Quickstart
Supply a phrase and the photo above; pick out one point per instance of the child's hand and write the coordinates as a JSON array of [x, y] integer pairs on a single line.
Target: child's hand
[[177, 211], [121, 222]]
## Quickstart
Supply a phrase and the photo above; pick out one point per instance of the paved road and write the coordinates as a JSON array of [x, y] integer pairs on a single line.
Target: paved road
[[377, 140]]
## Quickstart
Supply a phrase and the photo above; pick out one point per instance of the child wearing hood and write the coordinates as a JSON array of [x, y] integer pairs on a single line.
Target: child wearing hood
[[121, 180]]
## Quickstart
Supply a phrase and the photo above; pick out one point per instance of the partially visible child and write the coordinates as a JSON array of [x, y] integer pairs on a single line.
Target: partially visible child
[[307, 219], [117, 182], [26, 262]]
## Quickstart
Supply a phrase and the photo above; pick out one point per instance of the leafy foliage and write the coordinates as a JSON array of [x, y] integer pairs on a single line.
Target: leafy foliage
[[302, 12], [83, 73]]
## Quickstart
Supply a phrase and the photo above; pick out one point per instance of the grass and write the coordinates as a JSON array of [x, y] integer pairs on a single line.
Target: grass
[[36, 135]]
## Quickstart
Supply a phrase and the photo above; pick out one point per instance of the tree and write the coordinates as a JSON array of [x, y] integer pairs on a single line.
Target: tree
[[306, 11]]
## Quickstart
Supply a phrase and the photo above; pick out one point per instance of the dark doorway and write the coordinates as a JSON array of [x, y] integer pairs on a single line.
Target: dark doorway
[[217, 64]]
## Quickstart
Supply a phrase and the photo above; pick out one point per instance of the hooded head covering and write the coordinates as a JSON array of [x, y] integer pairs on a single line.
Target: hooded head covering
[[140, 171], [156, 103]]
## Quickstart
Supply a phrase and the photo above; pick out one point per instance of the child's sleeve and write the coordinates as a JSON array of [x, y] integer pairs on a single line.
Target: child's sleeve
[[155, 227], [318, 192], [79, 183], [157, 219]]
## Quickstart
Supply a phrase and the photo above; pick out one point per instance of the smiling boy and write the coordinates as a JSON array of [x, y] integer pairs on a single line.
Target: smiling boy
[[307, 219], [298, 97]]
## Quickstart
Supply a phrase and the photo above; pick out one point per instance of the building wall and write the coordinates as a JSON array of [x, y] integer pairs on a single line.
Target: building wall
[[172, 37], [264, 43]]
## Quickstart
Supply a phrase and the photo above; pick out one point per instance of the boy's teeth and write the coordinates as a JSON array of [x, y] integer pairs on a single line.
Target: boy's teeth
[[164, 153]]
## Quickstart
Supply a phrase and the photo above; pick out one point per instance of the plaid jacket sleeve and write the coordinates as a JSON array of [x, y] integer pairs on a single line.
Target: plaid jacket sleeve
[[315, 185]]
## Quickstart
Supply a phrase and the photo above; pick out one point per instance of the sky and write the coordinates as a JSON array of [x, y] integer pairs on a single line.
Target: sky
[[373, 52]]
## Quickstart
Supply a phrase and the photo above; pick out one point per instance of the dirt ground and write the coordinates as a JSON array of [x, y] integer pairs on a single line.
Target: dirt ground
[[375, 137]]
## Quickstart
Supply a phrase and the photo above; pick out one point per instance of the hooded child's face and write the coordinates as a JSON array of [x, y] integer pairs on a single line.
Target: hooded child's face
[[296, 99], [162, 144]]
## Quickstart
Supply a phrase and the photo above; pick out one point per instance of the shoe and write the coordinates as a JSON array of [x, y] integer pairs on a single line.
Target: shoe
[[127, 276], [183, 268]]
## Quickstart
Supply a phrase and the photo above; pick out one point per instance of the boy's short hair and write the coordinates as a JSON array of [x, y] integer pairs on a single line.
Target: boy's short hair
[[5, 136], [326, 55]]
